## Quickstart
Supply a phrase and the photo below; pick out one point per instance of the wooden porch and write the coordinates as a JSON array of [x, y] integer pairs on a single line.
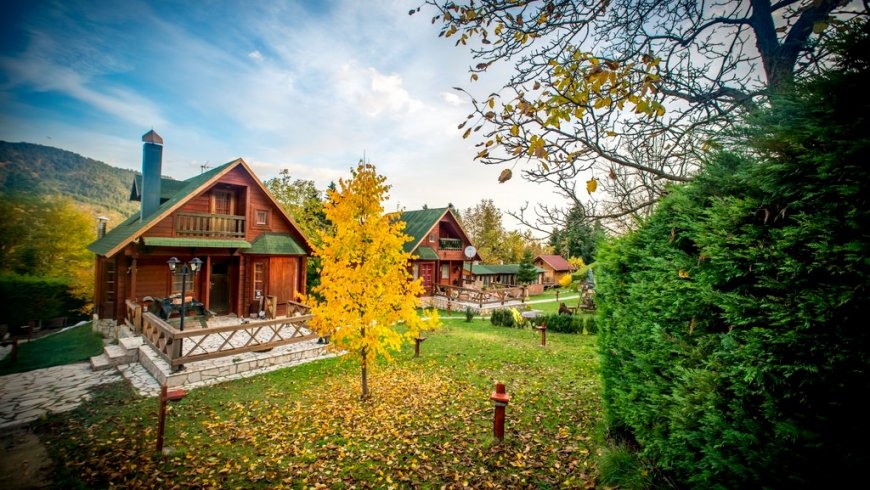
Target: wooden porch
[[196, 343]]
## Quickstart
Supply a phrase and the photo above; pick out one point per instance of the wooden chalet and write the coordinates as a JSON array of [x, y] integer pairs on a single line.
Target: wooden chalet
[[250, 248], [555, 267], [486, 275], [437, 246]]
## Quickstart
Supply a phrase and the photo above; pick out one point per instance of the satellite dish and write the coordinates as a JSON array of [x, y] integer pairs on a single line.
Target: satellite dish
[[470, 251]]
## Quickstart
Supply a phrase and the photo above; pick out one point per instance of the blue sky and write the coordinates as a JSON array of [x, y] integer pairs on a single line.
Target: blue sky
[[304, 85]]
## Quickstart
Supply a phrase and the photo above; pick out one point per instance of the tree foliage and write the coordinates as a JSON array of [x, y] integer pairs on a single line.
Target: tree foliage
[[527, 272], [302, 201], [47, 237], [623, 97], [733, 322], [483, 223], [578, 238], [366, 286]]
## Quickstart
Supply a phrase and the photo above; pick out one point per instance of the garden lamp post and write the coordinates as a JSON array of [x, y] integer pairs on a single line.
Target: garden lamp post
[[185, 271]]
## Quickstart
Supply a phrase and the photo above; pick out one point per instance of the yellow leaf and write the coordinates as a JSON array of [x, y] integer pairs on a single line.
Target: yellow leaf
[[505, 176], [683, 274], [491, 103], [515, 130], [591, 185], [466, 133], [611, 133]]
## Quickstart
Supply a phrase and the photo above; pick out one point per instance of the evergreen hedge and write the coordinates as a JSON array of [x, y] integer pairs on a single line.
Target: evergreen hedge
[[733, 321], [33, 298]]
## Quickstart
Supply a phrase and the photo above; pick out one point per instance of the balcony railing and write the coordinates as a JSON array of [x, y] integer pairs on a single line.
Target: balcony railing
[[209, 225], [450, 244]]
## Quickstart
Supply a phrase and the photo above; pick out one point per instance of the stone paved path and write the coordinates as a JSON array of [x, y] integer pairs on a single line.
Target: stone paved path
[[24, 397]]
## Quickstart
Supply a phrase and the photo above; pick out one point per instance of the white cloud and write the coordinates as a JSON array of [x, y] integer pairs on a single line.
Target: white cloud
[[256, 55]]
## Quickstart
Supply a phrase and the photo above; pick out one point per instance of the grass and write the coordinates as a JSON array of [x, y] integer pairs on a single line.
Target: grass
[[73, 345], [428, 423]]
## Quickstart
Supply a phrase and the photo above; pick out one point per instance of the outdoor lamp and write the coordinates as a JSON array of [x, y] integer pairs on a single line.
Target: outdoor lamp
[[194, 264], [172, 263]]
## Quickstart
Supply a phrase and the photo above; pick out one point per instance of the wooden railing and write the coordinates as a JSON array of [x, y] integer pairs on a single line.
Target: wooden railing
[[133, 319], [450, 244], [209, 225], [479, 296], [197, 344]]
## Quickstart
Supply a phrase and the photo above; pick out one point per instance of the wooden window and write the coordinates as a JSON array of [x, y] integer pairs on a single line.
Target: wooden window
[[223, 202], [416, 271], [110, 281], [432, 237], [259, 279], [445, 271], [261, 217], [176, 284]]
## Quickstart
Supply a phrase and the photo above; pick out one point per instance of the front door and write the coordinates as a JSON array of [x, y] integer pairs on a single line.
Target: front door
[[219, 291], [426, 272]]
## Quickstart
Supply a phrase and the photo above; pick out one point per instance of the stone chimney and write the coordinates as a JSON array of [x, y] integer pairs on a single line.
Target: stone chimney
[[152, 163]]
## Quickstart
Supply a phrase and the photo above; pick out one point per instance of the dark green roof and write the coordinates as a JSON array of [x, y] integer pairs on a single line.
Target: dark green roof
[[418, 223], [492, 269], [133, 224], [159, 241], [168, 188], [272, 243], [426, 253]]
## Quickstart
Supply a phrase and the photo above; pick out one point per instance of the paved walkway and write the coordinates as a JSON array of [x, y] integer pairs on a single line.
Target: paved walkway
[[25, 397]]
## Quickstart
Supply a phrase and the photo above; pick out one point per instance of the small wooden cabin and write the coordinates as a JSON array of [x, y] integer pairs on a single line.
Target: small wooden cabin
[[250, 248], [437, 246], [555, 267]]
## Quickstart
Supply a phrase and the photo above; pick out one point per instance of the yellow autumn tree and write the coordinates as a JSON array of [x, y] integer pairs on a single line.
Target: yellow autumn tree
[[365, 284]]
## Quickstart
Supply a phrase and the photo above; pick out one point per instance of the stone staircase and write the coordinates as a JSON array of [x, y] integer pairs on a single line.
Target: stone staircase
[[125, 352]]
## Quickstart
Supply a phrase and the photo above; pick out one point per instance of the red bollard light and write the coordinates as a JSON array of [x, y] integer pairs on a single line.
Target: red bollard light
[[417, 342], [499, 400], [165, 396]]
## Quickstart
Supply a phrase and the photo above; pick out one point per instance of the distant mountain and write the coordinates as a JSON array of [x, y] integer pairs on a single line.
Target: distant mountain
[[36, 169]]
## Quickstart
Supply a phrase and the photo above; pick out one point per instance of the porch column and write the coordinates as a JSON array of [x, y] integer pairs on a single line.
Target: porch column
[[133, 281], [206, 287]]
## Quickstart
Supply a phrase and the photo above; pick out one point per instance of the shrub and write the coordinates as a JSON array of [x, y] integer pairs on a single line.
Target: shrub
[[503, 318], [26, 298], [469, 314], [562, 323], [590, 324], [733, 321]]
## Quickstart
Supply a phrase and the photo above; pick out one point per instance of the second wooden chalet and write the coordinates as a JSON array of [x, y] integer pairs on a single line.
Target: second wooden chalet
[[249, 247], [437, 245], [555, 267]]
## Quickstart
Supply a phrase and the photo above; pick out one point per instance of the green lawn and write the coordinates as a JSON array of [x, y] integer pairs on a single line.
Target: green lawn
[[73, 345], [428, 424]]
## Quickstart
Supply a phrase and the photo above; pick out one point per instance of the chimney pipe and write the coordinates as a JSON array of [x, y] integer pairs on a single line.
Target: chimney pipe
[[101, 226], [152, 162]]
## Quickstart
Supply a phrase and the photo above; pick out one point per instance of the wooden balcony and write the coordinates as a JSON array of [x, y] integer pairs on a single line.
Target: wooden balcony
[[450, 244], [209, 225]]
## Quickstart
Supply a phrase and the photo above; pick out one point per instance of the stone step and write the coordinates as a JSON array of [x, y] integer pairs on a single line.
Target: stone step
[[101, 362], [130, 343], [119, 354]]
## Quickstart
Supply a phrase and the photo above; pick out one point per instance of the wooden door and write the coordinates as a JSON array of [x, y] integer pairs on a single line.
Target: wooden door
[[426, 272], [219, 290]]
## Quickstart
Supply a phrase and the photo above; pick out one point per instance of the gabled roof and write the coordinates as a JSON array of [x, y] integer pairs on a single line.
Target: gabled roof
[[420, 222], [557, 262], [271, 243], [494, 269], [133, 227], [168, 188]]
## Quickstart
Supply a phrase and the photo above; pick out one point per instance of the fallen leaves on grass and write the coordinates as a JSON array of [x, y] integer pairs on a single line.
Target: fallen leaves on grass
[[421, 428]]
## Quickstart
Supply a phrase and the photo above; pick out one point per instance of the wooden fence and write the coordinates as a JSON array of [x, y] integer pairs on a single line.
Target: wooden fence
[[197, 344], [480, 297]]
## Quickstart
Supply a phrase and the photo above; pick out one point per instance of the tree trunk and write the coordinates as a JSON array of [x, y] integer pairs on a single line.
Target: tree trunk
[[364, 378]]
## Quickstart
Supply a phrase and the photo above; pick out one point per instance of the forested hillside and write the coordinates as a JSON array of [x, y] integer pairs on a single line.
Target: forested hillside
[[32, 169]]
